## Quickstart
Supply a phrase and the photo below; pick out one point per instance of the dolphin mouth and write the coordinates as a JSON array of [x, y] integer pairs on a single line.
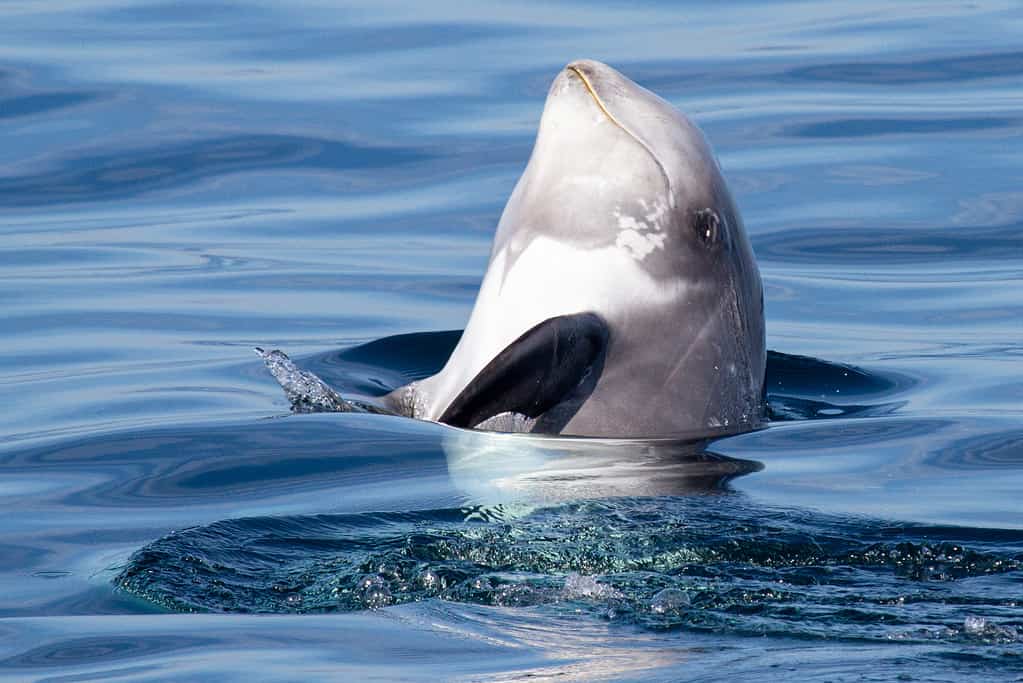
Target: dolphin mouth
[[596, 98], [574, 69]]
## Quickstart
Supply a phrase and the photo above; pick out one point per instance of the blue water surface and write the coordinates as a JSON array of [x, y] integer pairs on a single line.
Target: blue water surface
[[182, 181]]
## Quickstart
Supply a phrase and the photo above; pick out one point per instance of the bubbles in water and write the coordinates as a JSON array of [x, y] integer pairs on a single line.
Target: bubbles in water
[[973, 629], [519, 595], [669, 601], [704, 564], [579, 586], [990, 632], [974, 625], [373, 591], [429, 580]]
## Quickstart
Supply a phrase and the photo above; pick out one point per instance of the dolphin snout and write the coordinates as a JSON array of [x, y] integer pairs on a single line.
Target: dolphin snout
[[588, 72], [587, 67]]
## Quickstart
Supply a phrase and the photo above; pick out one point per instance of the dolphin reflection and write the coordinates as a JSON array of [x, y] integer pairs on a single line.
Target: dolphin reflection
[[493, 467]]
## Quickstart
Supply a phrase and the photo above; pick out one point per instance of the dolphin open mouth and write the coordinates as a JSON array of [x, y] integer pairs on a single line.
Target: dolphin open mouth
[[581, 74]]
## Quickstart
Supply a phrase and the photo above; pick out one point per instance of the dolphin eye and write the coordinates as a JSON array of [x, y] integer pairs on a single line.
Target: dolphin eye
[[706, 225]]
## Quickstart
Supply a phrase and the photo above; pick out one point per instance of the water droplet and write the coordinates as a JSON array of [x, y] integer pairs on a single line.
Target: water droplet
[[579, 586], [429, 580], [669, 601], [974, 625], [373, 591]]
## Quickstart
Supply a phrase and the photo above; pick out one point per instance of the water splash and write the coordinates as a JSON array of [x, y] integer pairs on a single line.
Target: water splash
[[705, 564]]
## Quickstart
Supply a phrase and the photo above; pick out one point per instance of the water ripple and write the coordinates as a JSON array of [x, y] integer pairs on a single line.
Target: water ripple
[[31, 105], [86, 650], [91, 178], [863, 128], [945, 69], [893, 246], [660, 563]]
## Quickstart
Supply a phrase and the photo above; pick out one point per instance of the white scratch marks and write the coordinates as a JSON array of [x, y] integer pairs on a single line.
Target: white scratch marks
[[640, 236]]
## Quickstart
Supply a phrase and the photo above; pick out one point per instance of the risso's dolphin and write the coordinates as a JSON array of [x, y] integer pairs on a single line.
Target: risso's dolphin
[[622, 298]]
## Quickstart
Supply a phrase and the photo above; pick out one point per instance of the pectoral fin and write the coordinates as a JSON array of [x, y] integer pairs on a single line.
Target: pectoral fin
[[536, 372]]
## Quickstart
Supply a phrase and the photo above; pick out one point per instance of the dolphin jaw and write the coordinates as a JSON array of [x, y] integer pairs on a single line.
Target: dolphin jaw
[[590, 83], [574, 69]]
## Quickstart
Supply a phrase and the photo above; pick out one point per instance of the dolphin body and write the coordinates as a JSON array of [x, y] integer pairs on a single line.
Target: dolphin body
[[622, 297]]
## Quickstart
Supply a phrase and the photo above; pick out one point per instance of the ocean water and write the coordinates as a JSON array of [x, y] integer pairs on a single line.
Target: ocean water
[[180, 182]]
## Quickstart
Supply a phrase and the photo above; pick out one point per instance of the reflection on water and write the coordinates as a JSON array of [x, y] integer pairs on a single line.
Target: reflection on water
[[496, 468], [29, 105], [951, 69], [897, 246], [115, 176]]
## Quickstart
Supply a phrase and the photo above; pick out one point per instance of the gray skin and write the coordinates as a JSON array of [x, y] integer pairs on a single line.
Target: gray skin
[[622, 211]]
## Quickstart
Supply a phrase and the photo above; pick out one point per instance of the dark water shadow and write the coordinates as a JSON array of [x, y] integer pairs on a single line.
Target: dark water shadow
[[798, 387], [995, 450], [122, 174], [161, 13], [377, 367], [29, 105], [834, 128], [892, 245], [213, 468], [357, 40], [86, 650], [956, 69]]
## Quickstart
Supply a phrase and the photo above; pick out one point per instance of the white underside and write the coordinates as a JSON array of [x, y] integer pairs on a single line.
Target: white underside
[[548, 279]]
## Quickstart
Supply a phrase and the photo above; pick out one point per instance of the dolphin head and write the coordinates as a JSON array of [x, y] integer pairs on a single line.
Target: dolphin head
[[622, 211], [617, 168], [613, 163]]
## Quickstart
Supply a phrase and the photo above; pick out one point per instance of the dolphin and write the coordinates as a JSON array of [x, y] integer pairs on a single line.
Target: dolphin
[[622, 297]]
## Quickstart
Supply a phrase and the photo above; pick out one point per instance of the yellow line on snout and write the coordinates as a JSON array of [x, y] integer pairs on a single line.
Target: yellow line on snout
[[596, 98], [612, 119]]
